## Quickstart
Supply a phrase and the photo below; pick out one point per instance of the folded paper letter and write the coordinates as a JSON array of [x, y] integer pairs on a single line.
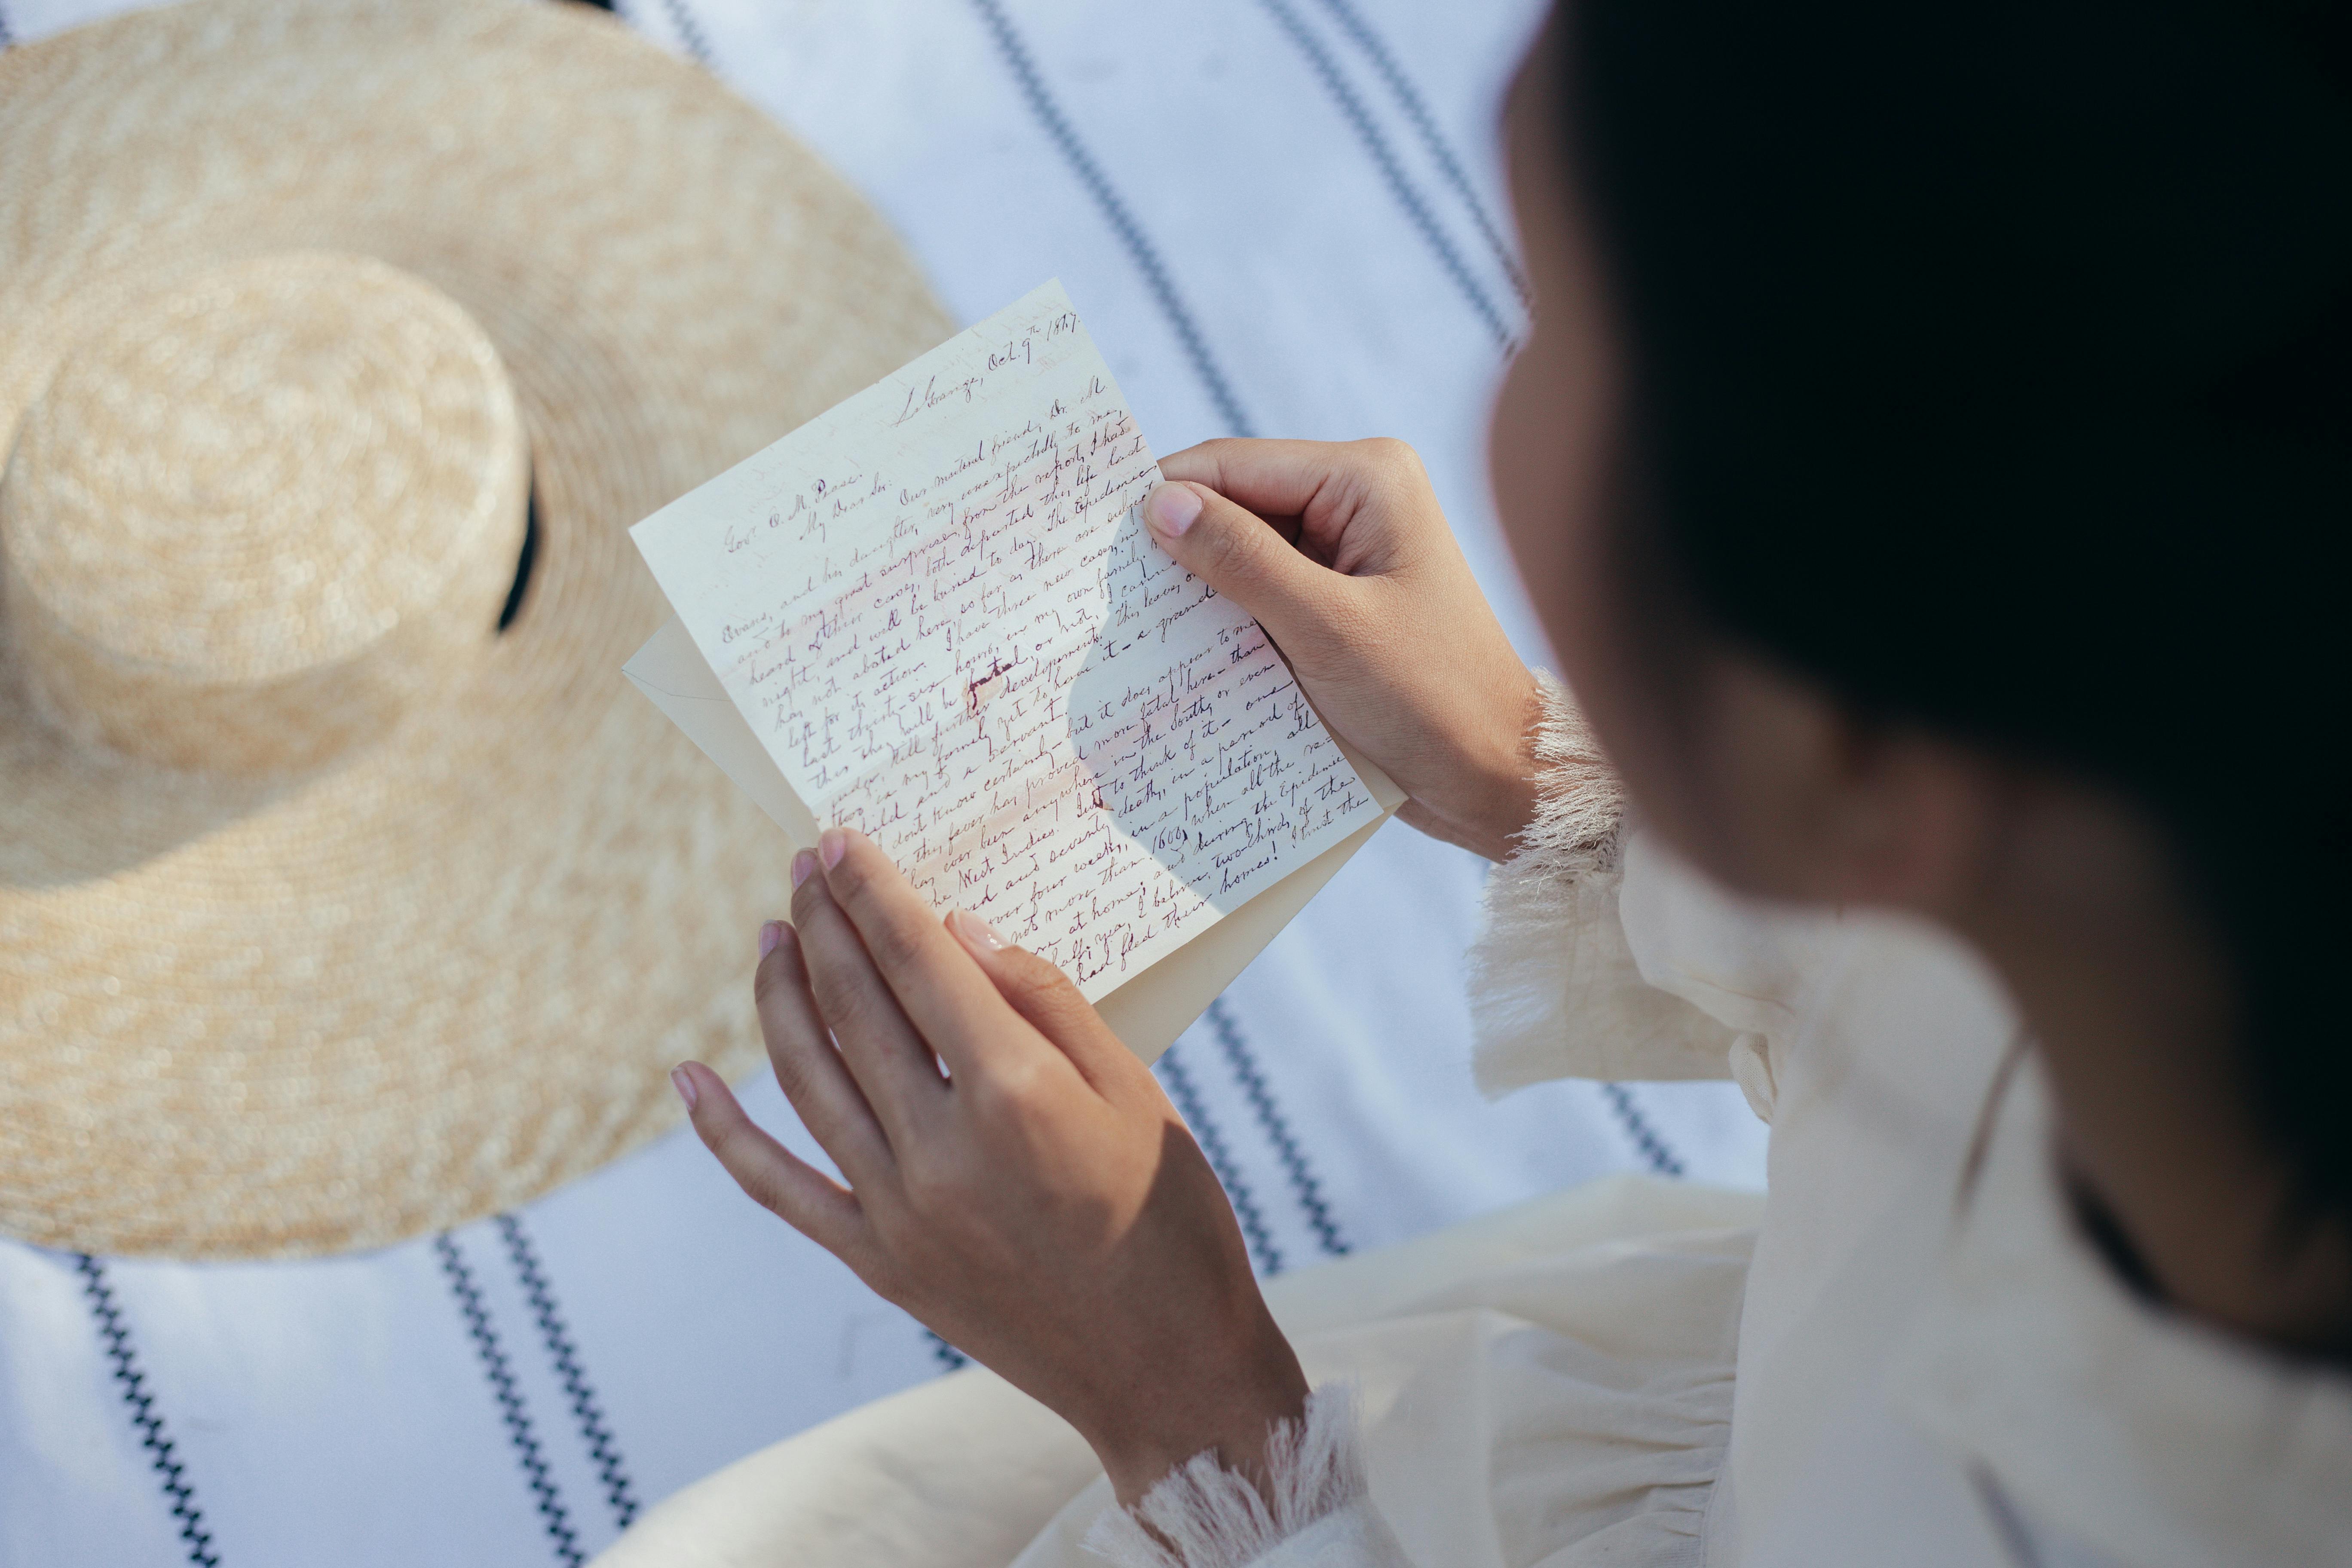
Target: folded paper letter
[[933, 613]]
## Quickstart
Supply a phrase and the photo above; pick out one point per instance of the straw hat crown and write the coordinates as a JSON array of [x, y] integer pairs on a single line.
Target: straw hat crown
[[255, 513]]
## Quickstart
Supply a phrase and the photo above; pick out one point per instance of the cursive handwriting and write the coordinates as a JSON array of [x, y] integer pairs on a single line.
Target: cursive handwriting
[[944, 618]]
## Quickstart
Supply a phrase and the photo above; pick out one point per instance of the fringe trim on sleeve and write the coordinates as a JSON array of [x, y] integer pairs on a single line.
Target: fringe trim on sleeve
[[1555, 990], [1579, 812], [1204, 1516], [1534, 951]]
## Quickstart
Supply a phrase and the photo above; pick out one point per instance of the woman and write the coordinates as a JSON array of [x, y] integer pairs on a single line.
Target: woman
[[1907, 464]]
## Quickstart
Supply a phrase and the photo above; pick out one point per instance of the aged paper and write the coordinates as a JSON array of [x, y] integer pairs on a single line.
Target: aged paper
[[1148, 1012], [939, 610]]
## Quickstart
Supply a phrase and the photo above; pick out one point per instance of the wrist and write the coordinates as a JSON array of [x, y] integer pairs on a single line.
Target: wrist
[[1503, 781], [1231, 1417]]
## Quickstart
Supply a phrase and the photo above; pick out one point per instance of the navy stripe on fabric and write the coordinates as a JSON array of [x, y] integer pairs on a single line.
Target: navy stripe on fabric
[[1425, 125], [521, 1432], [1407, 196], [947, 1356], [689, 31], [595, 1432], [1653, 1148], [115, 1331], [1246, 1072], [1140, 248], [1212, 1140], [690, 35]]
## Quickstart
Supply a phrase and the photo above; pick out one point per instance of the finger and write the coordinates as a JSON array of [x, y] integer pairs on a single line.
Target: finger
[[773, 1176], [1239, 555], [1045, 996], [1275, 478], [809, 1070], [892, 1066], [934, 980], [1355, 500]]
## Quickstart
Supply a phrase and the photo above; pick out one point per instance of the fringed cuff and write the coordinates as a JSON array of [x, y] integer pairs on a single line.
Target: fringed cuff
[[1526, 958], [1554, 989], [1204, 1516], [1579, 805]]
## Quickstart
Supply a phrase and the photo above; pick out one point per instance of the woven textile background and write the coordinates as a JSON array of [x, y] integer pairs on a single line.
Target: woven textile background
[[1279, 216]]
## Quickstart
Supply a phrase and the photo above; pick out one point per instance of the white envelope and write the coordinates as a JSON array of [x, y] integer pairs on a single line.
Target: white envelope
[[1148, 1012]]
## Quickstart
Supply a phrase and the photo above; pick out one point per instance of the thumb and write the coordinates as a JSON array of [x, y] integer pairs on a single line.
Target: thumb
[[1239, 555]]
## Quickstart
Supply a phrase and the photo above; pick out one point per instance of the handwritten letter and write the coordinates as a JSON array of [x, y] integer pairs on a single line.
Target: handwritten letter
[[939, 608]]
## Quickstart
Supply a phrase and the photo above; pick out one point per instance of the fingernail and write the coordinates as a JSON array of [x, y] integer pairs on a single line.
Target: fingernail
[[680, 1082], [978, 932], [803, 864], [830, 844], [771, 934], [1170, 508]]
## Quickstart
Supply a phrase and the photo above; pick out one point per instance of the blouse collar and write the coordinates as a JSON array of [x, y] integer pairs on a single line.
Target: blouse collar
[[2113, 1423]]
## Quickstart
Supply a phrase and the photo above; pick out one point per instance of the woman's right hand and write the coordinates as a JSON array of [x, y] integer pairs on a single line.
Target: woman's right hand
[[1340, 550]]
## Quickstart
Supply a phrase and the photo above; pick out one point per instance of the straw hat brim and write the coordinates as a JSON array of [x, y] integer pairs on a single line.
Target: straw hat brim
[[448, 972]]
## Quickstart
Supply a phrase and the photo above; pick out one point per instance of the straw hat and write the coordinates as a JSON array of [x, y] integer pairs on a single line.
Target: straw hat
[[330, 913]]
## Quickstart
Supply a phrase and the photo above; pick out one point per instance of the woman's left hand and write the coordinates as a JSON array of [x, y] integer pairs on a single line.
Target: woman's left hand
[[1017, 1180]]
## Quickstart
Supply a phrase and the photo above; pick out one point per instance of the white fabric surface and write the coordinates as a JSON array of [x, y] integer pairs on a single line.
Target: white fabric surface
[[341, 1411]]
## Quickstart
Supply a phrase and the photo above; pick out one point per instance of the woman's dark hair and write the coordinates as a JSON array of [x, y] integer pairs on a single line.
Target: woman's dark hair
[[1993, 364]]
